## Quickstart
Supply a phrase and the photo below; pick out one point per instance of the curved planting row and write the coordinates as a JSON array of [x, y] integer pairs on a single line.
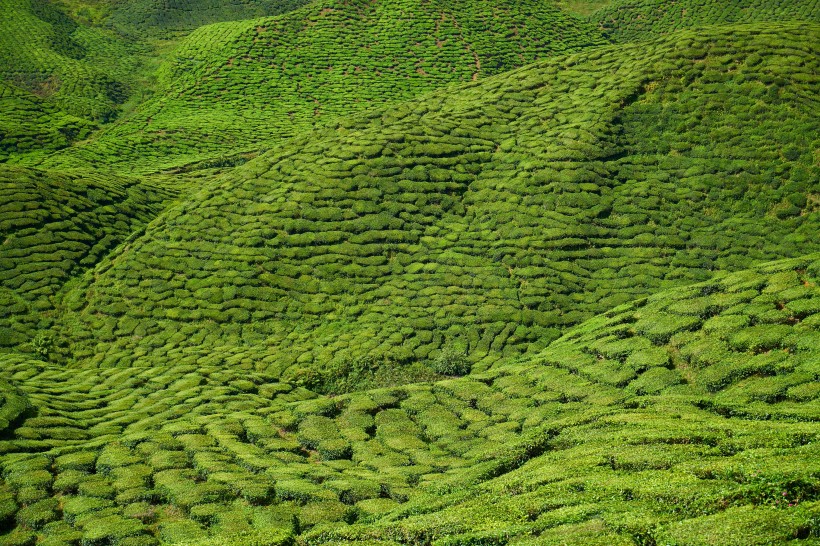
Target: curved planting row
[[55, 226]]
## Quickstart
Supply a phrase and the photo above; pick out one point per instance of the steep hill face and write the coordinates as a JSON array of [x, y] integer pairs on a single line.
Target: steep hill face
[[631, 20], [54, 226], [240, 86], [69, 67], [686, 418], [486, 219], [58, 79], [30, 125]]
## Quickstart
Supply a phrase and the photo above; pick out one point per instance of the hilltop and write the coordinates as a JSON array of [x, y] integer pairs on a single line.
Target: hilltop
[[69, 68]]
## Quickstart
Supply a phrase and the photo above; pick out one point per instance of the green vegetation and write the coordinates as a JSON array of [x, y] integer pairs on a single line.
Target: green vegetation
[[290, 273], [612, 432], [494, 217], [631, 20], [59, 78], [69, 67], [55, 226], [166, 19], [240, 86]]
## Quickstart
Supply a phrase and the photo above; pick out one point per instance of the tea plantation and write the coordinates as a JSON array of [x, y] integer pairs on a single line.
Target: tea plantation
[[384, 272], [631, 20], [488, 218], [55, 226], [689, 417], [240, 86], [167, 19], [62, 77], [59, 79]]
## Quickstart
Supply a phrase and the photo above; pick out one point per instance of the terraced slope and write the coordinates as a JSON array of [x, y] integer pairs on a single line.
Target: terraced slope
[[690, 417], [240, 86], [483, 220], [164, 19], [631, 20], [68, 67], [30, 125], [54, 226], [80, 70]]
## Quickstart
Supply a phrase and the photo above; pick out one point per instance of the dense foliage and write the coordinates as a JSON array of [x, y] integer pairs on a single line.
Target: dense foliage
[[82, 71], [631, 20], [54, 226], [688, 418], [240, 86], [385, 272], [494, 219], [167, 18]]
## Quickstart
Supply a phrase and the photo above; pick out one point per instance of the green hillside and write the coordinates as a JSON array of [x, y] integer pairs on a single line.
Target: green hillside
[[483, 219], [165, 19], [68, 67], [81, 70], [631, 20], [395, 273], [241, 86], [54, 226], [689, 417], [30, 125]]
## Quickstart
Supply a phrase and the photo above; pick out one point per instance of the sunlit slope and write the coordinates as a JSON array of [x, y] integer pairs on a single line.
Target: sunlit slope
[[54, 226], [239, 86], [690, 417], [630, 20], [487, 218], [68, 67]]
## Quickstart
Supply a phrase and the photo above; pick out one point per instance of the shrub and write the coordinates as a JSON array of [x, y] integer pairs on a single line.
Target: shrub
[[181, 531], [38, 514], [760, 338], [452, 360], [20, 537], [60, 533], [326, 511], [660, 327], [82, 460], [75, 507], [110, 530], [315, 429]]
